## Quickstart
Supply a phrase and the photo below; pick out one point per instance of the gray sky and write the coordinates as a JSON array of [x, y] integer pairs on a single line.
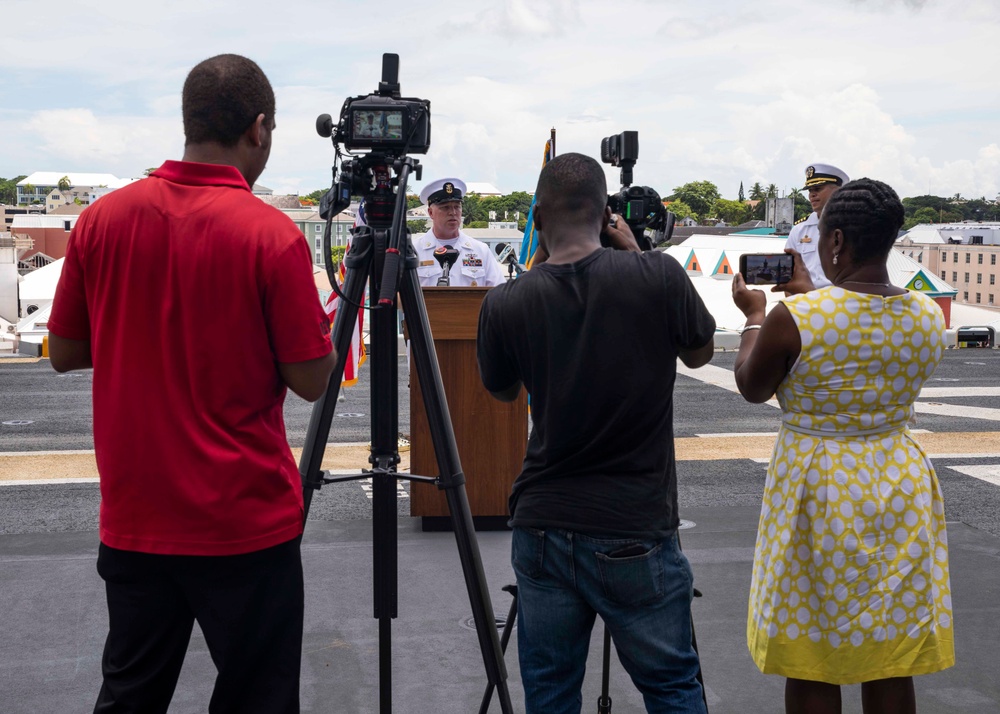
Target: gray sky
[[906, 91]]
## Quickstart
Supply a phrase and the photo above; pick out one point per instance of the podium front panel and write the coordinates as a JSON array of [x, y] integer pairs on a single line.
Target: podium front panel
[[492, 436]]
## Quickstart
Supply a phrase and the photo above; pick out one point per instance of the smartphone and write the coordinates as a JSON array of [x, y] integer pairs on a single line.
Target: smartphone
[[766, 268]]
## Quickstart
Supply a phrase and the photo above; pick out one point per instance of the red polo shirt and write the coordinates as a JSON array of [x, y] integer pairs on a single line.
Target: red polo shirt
[[191, 290]]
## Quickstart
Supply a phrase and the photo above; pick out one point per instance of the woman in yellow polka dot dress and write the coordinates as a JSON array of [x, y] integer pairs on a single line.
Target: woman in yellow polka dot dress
[[850, 581]]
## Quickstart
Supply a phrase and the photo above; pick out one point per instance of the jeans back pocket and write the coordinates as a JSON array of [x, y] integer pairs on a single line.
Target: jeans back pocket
[[635, 580]]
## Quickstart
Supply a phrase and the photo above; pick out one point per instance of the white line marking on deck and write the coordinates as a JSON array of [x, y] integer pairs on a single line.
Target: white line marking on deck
[[990, 473]]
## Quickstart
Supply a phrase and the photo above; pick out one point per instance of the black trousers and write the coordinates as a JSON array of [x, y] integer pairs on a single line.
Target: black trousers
[[249, 608]]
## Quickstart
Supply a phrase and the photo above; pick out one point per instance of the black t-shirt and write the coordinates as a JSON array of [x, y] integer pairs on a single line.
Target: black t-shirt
[[595, 344]]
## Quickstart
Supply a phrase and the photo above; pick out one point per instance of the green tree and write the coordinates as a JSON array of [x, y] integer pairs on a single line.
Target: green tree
[[732, 212], [417, 227], [921, 215], [412, 201], [757, 192], [29, 188], [772, 191], [64, 184], [681, 210], [741, 197], [316, 195], [699, 195], [473, 208], [150, 170], [802, 206], [8, 189]]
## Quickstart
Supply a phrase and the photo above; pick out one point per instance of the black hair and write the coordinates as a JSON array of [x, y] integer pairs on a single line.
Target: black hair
[[869, 214], [222, 98], [573, 186]]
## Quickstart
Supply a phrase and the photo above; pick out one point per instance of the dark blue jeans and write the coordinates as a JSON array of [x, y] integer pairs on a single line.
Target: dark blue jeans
[[642, 590]]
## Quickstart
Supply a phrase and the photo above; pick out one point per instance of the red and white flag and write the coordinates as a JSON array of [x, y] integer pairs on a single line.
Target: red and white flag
[[356, 355]]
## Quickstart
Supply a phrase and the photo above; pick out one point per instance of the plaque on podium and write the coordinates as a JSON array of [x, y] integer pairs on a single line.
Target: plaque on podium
[[492, 436]]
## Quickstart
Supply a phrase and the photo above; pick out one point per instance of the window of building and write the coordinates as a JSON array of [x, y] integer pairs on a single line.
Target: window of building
[[920, 257], [318, 228], [993, 280], [954, 257], [966, 277], [965, 296], [319, 243], [976, 240], [993, 259], [968, 257], [991, 298], [979, 258], [954, 277], [944, 257], [979, 278], [977, 298]]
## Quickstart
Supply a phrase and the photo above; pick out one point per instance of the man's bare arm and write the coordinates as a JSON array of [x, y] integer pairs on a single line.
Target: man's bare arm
[[308, 379], [66, 355]]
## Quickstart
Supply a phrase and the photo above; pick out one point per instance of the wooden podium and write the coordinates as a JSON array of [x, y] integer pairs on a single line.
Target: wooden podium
[[492, 436]]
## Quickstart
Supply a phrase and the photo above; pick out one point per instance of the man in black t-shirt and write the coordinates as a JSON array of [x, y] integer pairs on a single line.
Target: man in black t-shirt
[[594, 335]]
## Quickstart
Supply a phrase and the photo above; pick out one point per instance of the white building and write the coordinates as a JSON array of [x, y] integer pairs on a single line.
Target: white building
[[37, 187]]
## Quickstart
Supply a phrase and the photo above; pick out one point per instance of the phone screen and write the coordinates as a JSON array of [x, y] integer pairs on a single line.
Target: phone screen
[[766, 268]]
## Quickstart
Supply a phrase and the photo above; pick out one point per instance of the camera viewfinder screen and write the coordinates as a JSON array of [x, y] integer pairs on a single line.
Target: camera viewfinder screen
[[772, 269], [377, 124]]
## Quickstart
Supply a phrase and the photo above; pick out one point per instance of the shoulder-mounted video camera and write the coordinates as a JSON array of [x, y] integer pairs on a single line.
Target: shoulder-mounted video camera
[[641, 207]]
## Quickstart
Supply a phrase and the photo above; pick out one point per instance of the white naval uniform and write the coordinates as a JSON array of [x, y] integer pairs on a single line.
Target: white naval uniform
[[804, 237], [476, 264]]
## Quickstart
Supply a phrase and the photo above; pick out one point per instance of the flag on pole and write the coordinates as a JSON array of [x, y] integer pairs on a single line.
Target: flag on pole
[[356, 355], [529, 244]]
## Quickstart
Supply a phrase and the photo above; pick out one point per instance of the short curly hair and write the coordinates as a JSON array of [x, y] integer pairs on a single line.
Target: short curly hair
[[222, 98], [575, 185], [868, 213]]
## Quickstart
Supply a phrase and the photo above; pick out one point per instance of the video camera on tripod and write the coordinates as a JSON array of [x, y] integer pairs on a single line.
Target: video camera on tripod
[[641, 207], [386, 125], [389, 127]]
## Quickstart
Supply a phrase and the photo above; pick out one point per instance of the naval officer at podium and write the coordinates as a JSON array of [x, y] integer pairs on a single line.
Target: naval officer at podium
[[476, 265]]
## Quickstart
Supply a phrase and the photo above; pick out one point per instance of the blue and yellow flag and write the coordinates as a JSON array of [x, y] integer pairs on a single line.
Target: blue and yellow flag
[[529, 244]]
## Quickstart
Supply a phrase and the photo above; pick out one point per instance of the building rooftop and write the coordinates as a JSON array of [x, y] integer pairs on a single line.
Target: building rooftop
[[52, 178]]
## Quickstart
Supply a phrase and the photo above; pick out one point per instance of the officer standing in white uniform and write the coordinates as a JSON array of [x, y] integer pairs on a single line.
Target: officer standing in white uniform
[[822, 181], [476, 265]]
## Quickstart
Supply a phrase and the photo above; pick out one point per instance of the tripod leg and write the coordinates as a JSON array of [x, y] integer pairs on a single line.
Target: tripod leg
[[508, 627], [452, 480], [604, 701], [385, 457], [358, 265]]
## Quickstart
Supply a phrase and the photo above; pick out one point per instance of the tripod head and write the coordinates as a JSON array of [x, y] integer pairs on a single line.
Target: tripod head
[[446, 256]]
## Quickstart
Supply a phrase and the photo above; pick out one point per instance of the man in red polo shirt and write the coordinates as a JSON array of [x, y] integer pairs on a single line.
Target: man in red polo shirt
[[194, 303]]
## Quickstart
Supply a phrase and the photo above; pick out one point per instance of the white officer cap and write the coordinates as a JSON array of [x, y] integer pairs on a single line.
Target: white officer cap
[[442, 190], [819, 174]]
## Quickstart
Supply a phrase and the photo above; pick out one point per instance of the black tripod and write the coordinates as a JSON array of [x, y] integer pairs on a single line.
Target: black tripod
[[386, 258]]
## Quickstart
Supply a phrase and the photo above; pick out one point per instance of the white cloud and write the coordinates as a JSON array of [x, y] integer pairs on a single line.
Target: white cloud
[[905, 90]]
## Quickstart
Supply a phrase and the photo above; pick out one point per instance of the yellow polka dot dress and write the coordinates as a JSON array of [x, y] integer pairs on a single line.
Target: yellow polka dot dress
[[850, 578]]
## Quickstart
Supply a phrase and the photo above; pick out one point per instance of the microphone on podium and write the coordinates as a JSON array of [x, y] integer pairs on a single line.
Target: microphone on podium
[[446, 256]]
